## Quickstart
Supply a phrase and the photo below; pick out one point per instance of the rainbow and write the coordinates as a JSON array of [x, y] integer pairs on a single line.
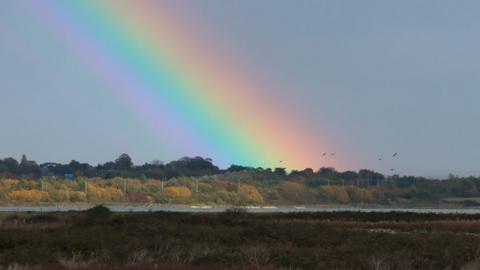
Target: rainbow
[[195, 97]]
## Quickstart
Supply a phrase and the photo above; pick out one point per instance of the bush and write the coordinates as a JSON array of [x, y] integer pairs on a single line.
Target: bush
[[25, 195], [98, 213], [177, 192]]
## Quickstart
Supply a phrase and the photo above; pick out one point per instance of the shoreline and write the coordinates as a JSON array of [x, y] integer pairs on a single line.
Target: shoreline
[[125, 208]]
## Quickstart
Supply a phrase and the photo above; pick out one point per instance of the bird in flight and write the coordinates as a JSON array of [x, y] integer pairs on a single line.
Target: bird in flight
[[396, 154], [380, 159], [324, 154]]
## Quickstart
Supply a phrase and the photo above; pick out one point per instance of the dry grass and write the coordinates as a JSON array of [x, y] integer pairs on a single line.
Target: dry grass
[[182, 241], [82, 266]]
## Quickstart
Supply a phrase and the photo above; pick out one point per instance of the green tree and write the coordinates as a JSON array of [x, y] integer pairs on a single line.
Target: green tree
[[123, 162]]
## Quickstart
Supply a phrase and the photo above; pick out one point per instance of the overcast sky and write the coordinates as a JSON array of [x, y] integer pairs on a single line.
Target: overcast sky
[[387, 76]]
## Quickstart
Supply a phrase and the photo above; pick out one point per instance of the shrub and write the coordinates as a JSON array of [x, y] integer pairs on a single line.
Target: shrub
[[250, 194], [99, 212], [78, 196], [291, 191], [25, 195], [177, 192], [137, 197]]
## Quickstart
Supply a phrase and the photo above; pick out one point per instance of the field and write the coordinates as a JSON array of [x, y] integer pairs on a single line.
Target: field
[[99, 239]]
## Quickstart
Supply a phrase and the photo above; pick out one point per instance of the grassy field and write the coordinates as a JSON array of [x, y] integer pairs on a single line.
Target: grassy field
[[98, 239]]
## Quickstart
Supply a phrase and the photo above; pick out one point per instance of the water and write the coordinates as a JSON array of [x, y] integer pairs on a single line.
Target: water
[[218, 209]]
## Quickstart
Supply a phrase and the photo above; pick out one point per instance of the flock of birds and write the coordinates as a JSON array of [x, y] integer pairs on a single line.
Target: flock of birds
[[394, 155], [333, 154]]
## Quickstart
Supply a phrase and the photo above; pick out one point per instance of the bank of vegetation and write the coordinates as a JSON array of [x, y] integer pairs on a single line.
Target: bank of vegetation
[[199, 181]]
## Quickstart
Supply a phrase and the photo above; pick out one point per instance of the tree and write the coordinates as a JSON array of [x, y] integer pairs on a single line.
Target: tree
[[11, 164], [328, 172], [335, 193], [280, 171], [249, 194], [187, 166], [3, 168], [239, 168], [123, 162], [156, 162], [349, 175], [291, 191]]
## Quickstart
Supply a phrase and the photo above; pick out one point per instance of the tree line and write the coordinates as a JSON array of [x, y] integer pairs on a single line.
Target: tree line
[[120, 167], [187, 166], [198, 180]]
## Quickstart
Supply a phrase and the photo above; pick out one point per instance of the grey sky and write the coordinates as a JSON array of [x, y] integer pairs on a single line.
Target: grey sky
[[377, 77]]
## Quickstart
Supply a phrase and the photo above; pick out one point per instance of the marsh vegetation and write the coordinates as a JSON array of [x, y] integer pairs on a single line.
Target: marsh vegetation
[[237, 239]]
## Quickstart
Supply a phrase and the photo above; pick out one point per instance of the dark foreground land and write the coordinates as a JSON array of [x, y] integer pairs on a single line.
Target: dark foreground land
[[99, 239]]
